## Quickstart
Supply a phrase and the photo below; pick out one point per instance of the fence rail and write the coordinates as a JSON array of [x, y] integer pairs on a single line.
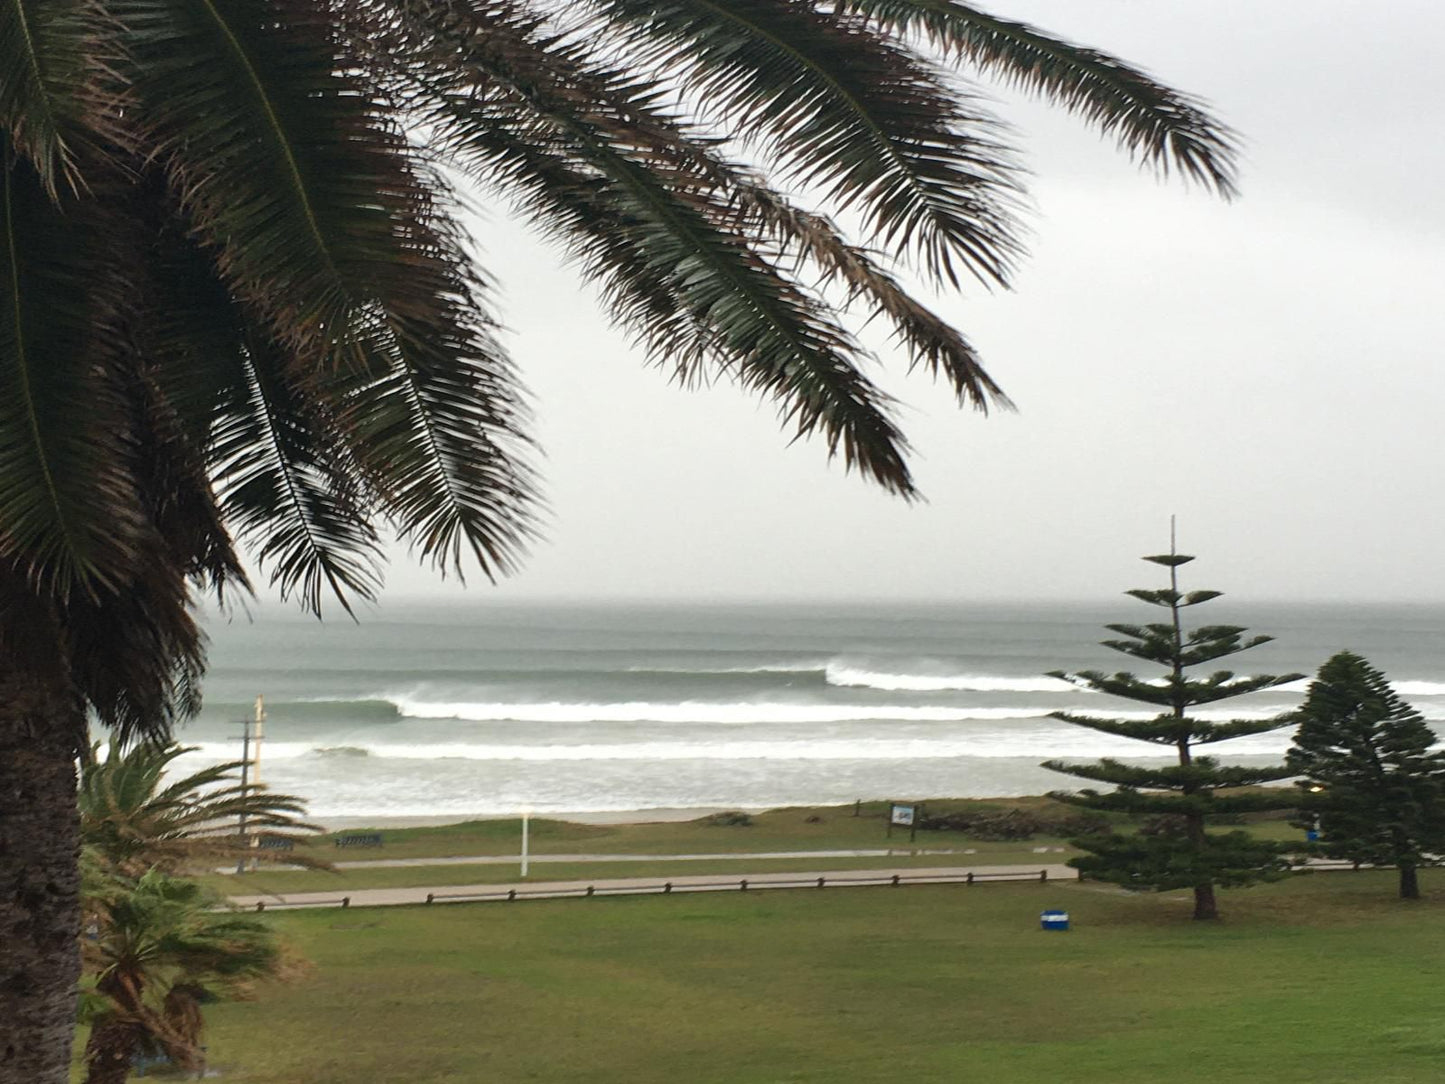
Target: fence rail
[[744, 884], [280, 904], [667, 888]]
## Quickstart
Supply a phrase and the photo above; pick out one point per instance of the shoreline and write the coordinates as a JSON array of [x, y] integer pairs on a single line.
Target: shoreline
[[658, 815]]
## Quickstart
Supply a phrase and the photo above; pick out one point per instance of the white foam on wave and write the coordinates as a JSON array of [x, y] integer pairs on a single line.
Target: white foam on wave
[[857, 677], [1419, 688], [814, 666], [1037, 744], [751, 713], [718, 713]]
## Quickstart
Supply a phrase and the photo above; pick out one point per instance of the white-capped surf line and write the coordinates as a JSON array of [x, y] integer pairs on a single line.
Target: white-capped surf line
[[756, 713], [859, 678], [740, 713], [814, 666], [993, 744]]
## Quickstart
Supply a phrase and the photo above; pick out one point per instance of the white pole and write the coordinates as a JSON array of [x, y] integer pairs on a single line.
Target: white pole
[[257, 733], [526, 825]]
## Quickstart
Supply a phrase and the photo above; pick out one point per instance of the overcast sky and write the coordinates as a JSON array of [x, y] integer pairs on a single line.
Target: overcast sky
[[1268, 370]]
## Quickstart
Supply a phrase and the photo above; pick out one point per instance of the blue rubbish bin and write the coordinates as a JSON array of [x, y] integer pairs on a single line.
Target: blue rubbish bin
[[1054, 920]]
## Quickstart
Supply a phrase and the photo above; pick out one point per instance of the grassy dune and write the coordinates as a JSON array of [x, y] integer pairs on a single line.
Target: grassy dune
[[797, 829]]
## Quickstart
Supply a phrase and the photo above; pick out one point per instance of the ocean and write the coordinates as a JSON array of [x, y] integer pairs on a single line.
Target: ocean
[[474, 707]]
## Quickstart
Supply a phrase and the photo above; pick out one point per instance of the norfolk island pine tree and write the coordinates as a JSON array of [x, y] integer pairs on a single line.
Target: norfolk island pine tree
[[238, 306], [1187, 791], [1370, 774]]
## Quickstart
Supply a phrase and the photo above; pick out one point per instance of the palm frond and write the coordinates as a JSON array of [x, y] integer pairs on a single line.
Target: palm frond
[[285, 484], [930, 340], [289, 165], [1155, 124], [136, 813], [680, 274], [68, 513], [439, 438], [56, 102], [838, 105], [138, 654]]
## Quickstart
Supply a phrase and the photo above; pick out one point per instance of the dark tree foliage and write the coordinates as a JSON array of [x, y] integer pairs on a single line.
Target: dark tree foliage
[[1186, 794], [1370, 776]]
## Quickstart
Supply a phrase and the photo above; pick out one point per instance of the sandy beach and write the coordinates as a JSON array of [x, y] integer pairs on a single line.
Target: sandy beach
[[624, 816]]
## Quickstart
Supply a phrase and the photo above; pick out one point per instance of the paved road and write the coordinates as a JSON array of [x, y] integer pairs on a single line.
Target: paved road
[[390, 897]]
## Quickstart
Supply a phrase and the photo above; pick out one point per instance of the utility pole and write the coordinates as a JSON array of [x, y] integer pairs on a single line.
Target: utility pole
[[252, 732], [258, 732], [245, 778]]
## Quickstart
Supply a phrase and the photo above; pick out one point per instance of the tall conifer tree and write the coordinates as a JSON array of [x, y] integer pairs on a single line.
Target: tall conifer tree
[[1187, 794], [1370, 774]]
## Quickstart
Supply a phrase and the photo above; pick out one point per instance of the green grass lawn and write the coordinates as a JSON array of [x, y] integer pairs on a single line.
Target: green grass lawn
[[1319, 979]]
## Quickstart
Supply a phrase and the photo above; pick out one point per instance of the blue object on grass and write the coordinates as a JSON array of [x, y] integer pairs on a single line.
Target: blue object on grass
[[1054, 920]]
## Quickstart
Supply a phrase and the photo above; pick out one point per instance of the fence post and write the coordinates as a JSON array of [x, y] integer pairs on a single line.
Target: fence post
[[345, 901]]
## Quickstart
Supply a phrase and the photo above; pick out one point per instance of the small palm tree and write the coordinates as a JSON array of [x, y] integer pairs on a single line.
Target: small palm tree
[[160, 951], [134, 818]]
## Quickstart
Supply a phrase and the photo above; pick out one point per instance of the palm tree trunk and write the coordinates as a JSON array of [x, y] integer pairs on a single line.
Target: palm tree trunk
[[108, 1054], [40, 728], [1409, 881]]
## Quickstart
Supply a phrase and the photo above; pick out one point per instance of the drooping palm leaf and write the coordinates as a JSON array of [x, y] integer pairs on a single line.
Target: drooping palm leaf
[[287, 162], [67, 503], [664, 244], [55, 103], [838, 105], [285, 483], [1154, 123]]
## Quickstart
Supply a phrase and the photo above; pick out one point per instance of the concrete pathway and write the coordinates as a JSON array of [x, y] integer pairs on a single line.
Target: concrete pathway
[[538, 859], [655, 884]]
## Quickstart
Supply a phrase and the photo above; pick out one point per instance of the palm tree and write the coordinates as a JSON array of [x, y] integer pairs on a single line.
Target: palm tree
[[135, 818], [237, 304], [161, 950]]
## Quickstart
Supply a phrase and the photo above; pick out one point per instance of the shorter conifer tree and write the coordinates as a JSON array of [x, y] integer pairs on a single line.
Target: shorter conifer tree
[[1181, 798], [1370, 777]]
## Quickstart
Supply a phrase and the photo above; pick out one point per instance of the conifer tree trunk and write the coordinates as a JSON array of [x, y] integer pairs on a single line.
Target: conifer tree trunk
[[39, 879], [1204, 905], [1409, 881]]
